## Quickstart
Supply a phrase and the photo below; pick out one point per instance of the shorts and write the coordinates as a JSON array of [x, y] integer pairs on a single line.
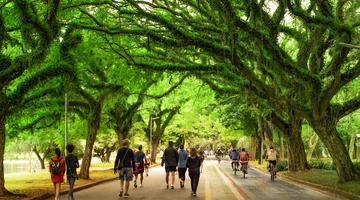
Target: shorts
[[170, 169], [139, 168], [273, 162], [126, 174]]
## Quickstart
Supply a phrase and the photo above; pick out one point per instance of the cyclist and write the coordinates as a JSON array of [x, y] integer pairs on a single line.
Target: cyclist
[[271, 157], [218, 154], [244, 159], [234, 156]]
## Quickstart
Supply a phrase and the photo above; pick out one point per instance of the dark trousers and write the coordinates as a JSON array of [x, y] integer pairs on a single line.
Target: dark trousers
[[182, 172], [71, 181], [194, 177]]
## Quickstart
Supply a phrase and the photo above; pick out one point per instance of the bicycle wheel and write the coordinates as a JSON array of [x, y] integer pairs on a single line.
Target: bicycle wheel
[[272, 173], [244, 169]]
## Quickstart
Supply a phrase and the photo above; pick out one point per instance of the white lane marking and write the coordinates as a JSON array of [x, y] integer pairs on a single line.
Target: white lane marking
[[229, 184]]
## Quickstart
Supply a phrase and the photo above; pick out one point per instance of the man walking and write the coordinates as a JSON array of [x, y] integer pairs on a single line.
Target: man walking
[[183, 156], [71, 164], [125, 165], [170, 159]]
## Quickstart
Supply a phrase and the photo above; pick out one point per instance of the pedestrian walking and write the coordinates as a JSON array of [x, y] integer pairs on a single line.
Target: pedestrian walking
[[170, 159], [71, 164], [124, 165], [183, 156], [57, 171], [193, 164], [140, 162], [148, 162]]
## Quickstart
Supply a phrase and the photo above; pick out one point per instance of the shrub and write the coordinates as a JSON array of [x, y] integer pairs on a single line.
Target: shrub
[[282, 165]]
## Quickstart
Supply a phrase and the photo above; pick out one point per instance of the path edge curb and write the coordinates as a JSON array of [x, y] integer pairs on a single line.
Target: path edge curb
[[316, 186], [76, 189], [79, 188]]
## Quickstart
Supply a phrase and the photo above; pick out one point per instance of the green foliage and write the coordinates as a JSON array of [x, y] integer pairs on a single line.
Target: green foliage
[[282, 165]]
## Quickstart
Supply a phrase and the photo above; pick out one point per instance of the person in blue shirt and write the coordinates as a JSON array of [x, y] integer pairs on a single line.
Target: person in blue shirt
[[183, 156], [234, 156]]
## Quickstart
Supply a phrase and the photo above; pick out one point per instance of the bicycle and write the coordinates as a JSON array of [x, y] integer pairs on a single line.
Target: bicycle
[[236, 168], [272, 172], [244, 167]]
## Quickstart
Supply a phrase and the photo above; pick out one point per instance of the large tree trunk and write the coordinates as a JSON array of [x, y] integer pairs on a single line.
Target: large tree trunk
[[352, 139], [3, 191], [253, 145], [122, 134], [352, 145], [296, 150], [326, 130], [312, 145], [107, 156], [282, 147], [268, 133], [154, 148], [86, 161]]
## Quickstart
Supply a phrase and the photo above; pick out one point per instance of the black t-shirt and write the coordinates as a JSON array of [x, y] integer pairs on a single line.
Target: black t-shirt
[[124, 158], [170, 157], [71, 164]]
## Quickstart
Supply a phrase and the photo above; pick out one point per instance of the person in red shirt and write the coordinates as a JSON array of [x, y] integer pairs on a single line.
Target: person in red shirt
[[57, 171], [244, 158]]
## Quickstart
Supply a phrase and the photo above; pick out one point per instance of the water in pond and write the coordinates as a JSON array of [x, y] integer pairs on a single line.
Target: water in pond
[[21, 166]]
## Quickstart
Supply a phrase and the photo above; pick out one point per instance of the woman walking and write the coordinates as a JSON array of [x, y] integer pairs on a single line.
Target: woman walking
[[193, 164], [57, 171]]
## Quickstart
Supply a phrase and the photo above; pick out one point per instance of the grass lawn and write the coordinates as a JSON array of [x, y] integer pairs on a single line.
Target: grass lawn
[[326, 178], [39, 183]]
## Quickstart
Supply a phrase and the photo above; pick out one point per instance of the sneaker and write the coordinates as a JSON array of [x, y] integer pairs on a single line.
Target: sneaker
[[141, 185], [121, 194], [194, 194], [167, 186], [126, 195], [172, 187]]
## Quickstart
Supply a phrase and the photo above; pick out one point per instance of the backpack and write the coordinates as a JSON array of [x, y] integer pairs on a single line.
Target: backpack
[[55, 167]]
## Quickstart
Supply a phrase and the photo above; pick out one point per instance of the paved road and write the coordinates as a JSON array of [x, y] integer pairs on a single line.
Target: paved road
[[217, 182]]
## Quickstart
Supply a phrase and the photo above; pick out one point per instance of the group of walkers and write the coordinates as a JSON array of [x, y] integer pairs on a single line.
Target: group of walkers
[[128, 163], [58, 165]]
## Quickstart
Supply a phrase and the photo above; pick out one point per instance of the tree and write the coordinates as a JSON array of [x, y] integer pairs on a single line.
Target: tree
[[29, 38], [158, 121], [303, 77], [105, 145]]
